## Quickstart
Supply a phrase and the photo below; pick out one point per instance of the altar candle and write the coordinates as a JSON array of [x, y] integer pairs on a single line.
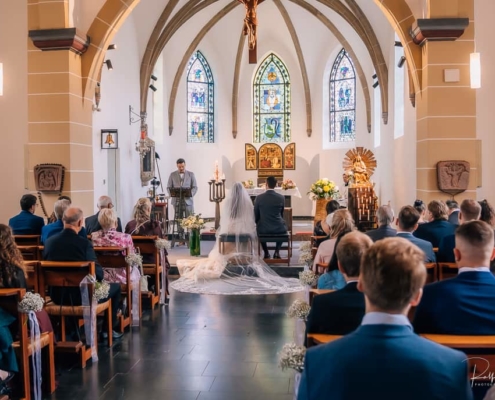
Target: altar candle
[[359, 214], [223, 177], [368, 215]]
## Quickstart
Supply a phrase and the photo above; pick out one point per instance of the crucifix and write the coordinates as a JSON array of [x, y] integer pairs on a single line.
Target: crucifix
[[250, 27]]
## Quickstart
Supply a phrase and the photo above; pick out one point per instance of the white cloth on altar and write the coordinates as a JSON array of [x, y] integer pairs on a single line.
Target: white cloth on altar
[[289, 192]]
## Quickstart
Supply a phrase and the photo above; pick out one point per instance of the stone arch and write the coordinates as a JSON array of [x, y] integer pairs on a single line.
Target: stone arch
[[401, 18], [104, 27]]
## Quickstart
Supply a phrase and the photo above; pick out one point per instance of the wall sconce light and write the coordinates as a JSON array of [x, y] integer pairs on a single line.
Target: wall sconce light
[[154, 78], [475, 70], [397, 44], [375, 85], [109, 64], [153, 88], [112, 47], [374, 76], [401, 62], [1, 79]]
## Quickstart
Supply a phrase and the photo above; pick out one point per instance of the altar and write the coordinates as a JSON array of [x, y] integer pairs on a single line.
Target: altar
[[287, 193]]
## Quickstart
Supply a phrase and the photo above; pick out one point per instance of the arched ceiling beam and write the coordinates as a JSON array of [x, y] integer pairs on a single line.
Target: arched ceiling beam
[[373, 49], [235, 87], [346, 45], [146, 71], [302, 64], [190, 50]]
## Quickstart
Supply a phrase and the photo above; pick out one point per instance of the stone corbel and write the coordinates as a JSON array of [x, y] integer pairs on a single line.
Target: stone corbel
[[438, 29], [60, 39]]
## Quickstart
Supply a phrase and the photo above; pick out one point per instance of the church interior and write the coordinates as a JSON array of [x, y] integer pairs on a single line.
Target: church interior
[[104, 97]]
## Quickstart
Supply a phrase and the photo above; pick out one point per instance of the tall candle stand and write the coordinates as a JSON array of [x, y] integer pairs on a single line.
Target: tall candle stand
[[217, 194]]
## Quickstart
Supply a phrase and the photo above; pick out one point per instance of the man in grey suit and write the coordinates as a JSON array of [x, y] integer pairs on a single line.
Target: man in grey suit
[[407, 223], [269, 215], [186, 180]]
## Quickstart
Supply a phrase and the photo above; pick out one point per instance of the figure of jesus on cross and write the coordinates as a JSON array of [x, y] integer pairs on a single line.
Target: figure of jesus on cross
[[250, 27]]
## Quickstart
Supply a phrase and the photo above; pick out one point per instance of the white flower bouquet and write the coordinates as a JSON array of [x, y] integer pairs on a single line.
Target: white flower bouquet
[[305, 246], [101, 290], [288, 184], [308, 278], [134, 259], [194, 221], [299, 309], [306, 258], [31, 302], [292, 356], [162, 244], [323, 189], [249, 184]]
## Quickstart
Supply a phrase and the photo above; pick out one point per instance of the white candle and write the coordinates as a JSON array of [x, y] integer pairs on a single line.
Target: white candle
[[223, 176]]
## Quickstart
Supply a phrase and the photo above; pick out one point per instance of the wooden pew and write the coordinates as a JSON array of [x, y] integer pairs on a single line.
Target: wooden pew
[[315, 292], [432, 271], [447, 270], [30, 253], [146, 246], [70, 274], [114, 257], [32, 277], [27, 240]]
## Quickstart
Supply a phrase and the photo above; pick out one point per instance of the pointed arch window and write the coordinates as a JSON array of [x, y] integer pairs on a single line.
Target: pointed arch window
[[200, 106], [271, 101], [343, 99]]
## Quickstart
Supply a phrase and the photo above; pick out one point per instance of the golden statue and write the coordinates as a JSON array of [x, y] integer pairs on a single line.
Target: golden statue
[[359, 164]]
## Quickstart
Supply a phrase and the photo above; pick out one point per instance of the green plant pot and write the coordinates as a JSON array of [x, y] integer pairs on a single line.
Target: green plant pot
[[195, 243]]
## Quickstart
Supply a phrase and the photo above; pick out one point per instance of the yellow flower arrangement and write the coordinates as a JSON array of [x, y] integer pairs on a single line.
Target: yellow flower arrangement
[[323, 189]]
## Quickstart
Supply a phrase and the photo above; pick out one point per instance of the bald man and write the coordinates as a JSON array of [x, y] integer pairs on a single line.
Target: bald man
[[92, 224], [69, 246], [464, 305]]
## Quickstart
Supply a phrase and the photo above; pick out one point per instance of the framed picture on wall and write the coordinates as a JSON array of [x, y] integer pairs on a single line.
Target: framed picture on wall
[[251, 157], [290, 156], [109, 139]]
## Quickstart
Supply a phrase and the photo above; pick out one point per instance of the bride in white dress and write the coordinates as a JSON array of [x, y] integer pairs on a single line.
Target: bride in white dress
[[237, 269]]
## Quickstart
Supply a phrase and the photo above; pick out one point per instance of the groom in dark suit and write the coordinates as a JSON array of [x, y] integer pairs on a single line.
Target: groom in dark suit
[[269, 215]]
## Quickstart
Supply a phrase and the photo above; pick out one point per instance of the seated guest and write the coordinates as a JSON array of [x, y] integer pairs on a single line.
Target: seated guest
[[438, 227], [26, 223], [53, 218], [384, 219], [342, 224], [487, 213], [322, 228], [420, 207], [384, 359], [92, 224], [470, 211], [464, 305], [56, 227], [269, 215], [108, 236], [341, 312], [69, 246], [407, 223], [453, 207]]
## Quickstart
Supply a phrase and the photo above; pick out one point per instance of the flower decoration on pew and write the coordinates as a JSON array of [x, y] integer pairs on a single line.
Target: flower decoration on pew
[[306, 256], [162, 244], [31, 302], [292, 357], [299, 309], [249, 184], [194, 221], [323, 189], [101, 290], [134, 259], [308, 278], [288, 184]]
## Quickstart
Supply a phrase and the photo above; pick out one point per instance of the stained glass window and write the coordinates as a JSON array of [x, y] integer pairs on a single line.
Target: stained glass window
[[200, 108], [342, 99], [271, 101]]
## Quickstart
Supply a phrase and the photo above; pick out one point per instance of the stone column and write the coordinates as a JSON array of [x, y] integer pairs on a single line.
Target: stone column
[[446, 111], [59, 117]]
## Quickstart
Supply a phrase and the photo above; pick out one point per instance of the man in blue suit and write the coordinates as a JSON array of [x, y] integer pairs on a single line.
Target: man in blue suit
[[438, 227], [464, 305], [470, 211], [341, 312], [26, 223], [407, 223], [384, 218], [58, 226], [384, 359]]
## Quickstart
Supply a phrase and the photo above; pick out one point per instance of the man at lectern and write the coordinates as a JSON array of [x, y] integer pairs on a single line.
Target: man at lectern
[[186, 180]]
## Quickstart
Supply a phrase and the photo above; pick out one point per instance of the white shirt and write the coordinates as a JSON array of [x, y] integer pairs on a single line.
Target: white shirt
[[376, 318], [479, 269]]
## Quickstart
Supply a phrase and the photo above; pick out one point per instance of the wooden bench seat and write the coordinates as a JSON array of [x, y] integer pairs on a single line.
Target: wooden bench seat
[[277, 238]]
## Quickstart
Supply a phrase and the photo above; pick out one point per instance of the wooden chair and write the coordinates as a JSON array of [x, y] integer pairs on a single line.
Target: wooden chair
[[70, 274], [225, 238], [447, 270], [277, 238], [432, 271], [315, 292], [114, 257], [9, 300], [288, 222], [30, 253], [27, 240], [32, 277], [146, 246]]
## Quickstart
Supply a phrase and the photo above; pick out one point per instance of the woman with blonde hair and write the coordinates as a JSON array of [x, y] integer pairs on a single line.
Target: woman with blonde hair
[[142, 225], [109, 236], [342, 223]]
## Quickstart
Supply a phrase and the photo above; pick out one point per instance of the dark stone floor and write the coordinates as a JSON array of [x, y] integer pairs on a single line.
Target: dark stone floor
[[197, 348]]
